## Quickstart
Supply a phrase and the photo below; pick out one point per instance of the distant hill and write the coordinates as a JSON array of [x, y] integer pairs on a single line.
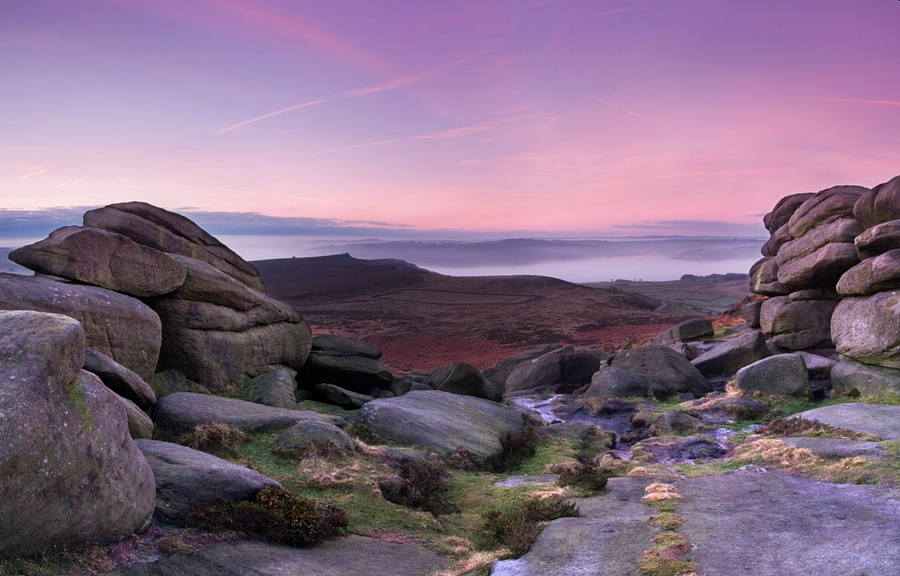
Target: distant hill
[[701, 295]]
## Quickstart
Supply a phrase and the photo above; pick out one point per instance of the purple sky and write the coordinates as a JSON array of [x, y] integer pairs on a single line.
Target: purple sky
[[582, 116]]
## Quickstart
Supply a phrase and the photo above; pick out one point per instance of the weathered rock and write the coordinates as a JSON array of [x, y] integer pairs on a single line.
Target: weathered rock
[[274, 389], [172, 381], [784, 209], [119, 379], [825, 207], [735, 353], [733, 408], [671, 451], [675, 422], [340, 346], [571, 430], [835, 448], [879, 420], [186, 478], [878, 205], [181, 412], [750, 312], [565, 367], [339, 396], [666, 367], [818, 367], [878, 239], [94, 256], [776, 241], [841, 231], [797, 325], [443, 422], [354, 373], [782, 375], [117, 325], [612, 382], [693, 329], [764, 278], [139, 424], [462, 378], [174, 234], [305, 435], [849, 377], [501, 370], [867, 329], [69, 472], [814, 294], [819, 257], [873, 275]]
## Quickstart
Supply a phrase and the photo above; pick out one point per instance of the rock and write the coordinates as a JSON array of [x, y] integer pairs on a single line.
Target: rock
[[612, 382], [841, 231], [675, 422], [797, 325], [119, 379], [836, 448], [694, 329], [571, 430], [354, 373], [867, 329], [666, 367], [462, 378], [873, 275], [501, 370], [304, 435], [186, 478], [764, 278], [848, 377], [734, 354], [782, 375], [274, 389], [565, 367], [401, 386], [878, 239], [878, 205], [340, 397], [348, 556], [139, 424], [734, 408], [776, 241], [443, 422], [825, 207], [181, 412], [117, 325], [69, 472], [819, 257], [773, 524], [172, 381], [879, 420], [750, 312], [818, 367], [174, 234], [340, 346], [814, 294], [672, 451], [94, 256], [784, 209]]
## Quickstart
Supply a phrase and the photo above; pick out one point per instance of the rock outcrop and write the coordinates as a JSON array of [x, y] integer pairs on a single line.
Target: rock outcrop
[[462, 378], [564, 367], [349, 364]]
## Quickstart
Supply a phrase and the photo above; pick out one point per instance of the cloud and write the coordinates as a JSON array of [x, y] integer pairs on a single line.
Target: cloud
[[627, 111], [890, 103], [451, 133], [701, 228], [38, 223]]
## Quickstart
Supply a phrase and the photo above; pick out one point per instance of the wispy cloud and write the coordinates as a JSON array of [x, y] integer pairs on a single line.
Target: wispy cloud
[[20, 178], [891, 103], [627, 111], [451, 133], [384, 86]]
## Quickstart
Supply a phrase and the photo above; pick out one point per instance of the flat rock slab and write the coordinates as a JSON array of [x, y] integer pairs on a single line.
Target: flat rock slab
[[350, 556], [882, 421], [771, 524], [836, 447], [608, 540]]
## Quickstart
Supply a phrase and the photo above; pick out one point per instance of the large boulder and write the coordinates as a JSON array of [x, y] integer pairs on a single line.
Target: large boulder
[[338, 396], [94, 256], [782, 375], [69, 472], [878, 239], [565, 367], [181, 412], [340, 346], [880, 420], [764, 278], [186, 478], [500, 371], [355, 373], [462, 378], [306, 435], [878, 205], [867, 329], [779, 238], [873, 275], [750, 311], [825, 207], [274, 389], [119, 379], [666, 367], [693, 329], [122, 327], [444, 422], [174, 234], [735, 353], [612, 382], [848, 377], [784, 209], [799, 324], [139, 424], [820, 257]]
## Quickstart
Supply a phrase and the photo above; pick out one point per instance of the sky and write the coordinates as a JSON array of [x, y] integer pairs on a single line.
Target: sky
[[516, 117]]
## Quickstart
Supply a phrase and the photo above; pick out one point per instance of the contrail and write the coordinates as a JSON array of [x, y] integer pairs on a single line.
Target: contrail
[[857, 101], [32, 174], [451, 133], [632, 113], [390, 85]]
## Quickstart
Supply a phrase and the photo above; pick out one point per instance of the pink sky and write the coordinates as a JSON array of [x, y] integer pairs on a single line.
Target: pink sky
[[556, 115]]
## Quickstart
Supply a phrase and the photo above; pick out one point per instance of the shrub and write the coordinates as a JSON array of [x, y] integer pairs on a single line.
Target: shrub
[[274, 514], [585, 474], [213, 437], [422, 485], [361, 432], [517, 527]]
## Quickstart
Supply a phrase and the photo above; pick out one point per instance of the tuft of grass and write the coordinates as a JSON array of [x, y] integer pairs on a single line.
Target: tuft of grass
[[661, 496], [473, 564], [213, 437], [667, 521], [516, 528], [804, 427]]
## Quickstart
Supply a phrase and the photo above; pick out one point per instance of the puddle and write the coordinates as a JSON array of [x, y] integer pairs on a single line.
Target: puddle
[[541, 406]]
